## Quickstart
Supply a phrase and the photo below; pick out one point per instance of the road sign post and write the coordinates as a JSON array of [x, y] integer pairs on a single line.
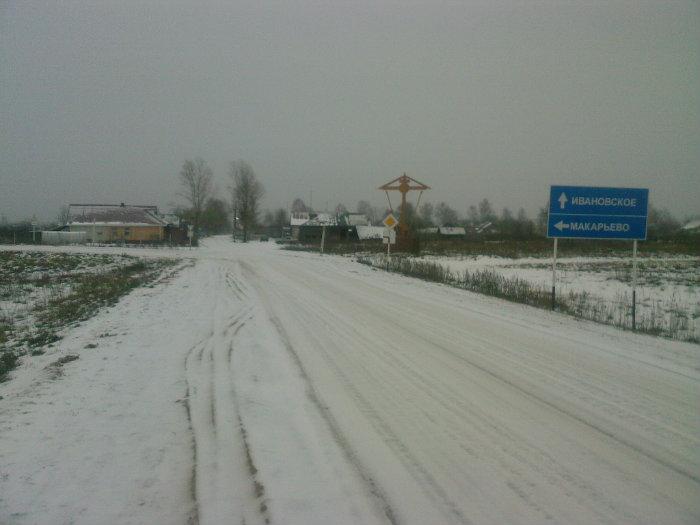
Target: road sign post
[[554, 274], [389, 236], [634, 285], [590, 212]]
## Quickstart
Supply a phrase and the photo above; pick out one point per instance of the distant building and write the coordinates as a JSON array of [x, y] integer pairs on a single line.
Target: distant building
[[308, 226], [117, 222], [356, 219], [366, 233], [692, 227], [451, 231]]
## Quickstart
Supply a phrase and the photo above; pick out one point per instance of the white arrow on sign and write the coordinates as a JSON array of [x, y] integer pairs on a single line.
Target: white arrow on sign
[[561, 225], [562, 200]]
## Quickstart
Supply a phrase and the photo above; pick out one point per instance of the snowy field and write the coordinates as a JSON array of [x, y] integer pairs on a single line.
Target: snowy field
[[31, 279], [257, 385], [41, 293], [668, 287]]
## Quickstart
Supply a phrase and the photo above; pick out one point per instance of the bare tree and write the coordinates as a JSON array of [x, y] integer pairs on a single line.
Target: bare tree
[[368, 211], [446, 215], [63, 216], [196, 179], [214, 217], [662, 224], [281, 218], [268, 218], [299, 206], [427, 210], [525, 228], [473, 216], [486, 213], [246, 192]]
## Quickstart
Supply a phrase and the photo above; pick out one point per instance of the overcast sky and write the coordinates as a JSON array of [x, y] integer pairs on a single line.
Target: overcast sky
[[103, 101]]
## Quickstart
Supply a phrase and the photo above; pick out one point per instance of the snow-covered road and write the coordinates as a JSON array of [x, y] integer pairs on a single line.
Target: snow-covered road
[[260, 385]]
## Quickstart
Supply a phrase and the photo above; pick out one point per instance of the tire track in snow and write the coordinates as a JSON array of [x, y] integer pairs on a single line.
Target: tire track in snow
[[252, 469], [339, 438], [224, 485], [373, 488], [430, 486]]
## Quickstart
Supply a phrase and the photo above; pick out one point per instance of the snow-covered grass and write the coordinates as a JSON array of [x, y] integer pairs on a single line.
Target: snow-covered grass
[[594, 288], [42, 292]]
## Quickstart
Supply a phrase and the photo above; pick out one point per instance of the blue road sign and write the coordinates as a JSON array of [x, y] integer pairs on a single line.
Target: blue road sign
[[584, 212]]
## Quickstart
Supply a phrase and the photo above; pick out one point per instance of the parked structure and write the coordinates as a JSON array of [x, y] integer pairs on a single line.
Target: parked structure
[[117, 223]]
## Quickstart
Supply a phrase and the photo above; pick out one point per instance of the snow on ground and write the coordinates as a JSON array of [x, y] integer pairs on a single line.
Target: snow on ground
[[260, 385], [32, 279], [667, 287]]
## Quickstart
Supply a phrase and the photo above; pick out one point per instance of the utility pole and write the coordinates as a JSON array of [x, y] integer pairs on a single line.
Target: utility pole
[[34, 229], [323, 237]]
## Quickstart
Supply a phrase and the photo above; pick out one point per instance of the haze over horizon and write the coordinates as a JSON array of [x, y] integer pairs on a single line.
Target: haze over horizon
[[499, 100]]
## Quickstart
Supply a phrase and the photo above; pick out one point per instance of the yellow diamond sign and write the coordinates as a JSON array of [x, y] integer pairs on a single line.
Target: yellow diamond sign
[[390, 221]]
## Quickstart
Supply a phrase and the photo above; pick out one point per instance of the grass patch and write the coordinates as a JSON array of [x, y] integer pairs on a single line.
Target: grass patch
[[8, 361], [512, 249], [77, 291]]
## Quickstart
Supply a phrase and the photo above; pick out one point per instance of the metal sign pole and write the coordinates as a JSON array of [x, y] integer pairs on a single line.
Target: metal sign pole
[[554, 273], [634, 285]]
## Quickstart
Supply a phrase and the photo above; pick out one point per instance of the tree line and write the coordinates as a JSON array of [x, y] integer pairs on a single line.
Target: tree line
[[209, 214], [241, 211]]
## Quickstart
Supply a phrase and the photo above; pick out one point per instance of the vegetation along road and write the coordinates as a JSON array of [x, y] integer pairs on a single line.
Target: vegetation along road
[[257, 385]]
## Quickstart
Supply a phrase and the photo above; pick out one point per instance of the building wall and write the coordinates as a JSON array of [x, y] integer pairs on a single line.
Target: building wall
[[119, 233]]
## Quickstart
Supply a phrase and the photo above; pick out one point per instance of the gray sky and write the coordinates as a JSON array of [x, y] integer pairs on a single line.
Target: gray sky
[[103, 101]]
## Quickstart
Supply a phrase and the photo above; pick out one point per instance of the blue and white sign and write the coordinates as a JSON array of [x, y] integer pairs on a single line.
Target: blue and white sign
[[584, 212]]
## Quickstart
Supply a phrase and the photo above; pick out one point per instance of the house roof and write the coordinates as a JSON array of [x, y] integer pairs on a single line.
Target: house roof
[[114, 215], [322, 219], [484, 227], [369, 232], [356, 219], [692, 225]]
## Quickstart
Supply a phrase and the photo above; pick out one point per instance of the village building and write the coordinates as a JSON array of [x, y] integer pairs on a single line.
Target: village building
[[451, 231], [309, 226], [117, 222]]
